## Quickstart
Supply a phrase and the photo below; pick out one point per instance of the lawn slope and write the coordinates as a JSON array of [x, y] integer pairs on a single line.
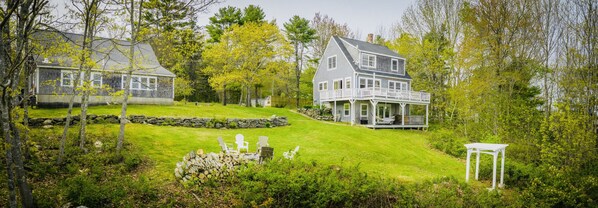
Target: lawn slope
[[401, 154]]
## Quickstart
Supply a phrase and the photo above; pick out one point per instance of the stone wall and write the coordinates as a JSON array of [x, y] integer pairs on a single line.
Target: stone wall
[[230, 123], [318, 114]]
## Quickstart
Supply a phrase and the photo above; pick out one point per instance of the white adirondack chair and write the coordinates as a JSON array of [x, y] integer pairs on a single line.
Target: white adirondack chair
[[262, 142], [225, 148], [290, 154], [241, 143]]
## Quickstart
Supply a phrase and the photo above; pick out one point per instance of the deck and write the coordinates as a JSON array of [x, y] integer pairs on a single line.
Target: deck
[[377, 93]]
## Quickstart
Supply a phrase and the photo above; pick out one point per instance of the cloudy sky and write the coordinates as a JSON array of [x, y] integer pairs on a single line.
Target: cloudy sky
[[362, 16]]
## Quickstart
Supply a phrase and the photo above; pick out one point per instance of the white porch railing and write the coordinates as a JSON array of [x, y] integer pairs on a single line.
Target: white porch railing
[[384, 93]]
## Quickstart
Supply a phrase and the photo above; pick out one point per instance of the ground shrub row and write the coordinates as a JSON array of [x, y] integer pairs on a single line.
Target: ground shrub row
[[286, 183]]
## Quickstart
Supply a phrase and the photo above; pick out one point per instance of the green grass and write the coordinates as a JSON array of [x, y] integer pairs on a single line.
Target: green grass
[[400, 154]]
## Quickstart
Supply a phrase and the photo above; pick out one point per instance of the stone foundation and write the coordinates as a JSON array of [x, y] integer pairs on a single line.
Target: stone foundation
[[231, 123]]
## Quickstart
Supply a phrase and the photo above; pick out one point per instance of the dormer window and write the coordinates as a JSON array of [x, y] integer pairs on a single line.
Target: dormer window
[[394, 65], [331, 62], [368, 60]]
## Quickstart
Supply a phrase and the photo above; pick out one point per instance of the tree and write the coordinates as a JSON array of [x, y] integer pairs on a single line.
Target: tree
[[246, 55], [170, 15], [325, 28], [226, 18], [183, 88], [14, 51], [300, 35], [129, 5], [221, 21], [252, 13], [229, 16]]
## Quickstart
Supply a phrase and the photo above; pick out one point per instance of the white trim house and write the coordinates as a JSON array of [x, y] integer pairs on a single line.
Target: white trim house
[[55, 75], [367, 84]]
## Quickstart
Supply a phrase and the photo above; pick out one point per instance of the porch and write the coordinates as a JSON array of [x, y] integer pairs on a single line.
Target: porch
[[381, 114], [375, 93]]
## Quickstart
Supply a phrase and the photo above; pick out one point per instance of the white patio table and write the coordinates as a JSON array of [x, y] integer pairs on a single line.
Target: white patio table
[[492, 149]]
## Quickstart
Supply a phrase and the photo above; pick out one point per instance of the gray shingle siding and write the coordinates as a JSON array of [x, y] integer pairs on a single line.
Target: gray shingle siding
[[49, 84], [342, 71]]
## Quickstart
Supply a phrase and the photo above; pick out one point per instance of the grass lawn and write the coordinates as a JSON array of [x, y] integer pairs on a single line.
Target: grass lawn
[[401, 154]]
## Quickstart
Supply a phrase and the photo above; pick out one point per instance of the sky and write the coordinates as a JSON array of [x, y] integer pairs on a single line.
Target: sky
[[365, 16]]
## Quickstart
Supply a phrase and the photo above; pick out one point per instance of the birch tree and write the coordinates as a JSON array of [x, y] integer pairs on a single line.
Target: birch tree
[[14, 52], [134, 20]]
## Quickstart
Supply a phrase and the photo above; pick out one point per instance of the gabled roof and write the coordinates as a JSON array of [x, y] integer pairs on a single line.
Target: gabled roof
[[109, 54], [343, 43], [370, 47]]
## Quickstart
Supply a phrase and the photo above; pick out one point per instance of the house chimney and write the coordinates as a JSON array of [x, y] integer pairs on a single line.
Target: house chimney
[[370, 38]]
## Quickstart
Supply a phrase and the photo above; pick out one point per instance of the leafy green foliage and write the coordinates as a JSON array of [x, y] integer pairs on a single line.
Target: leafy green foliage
[[229, 16]]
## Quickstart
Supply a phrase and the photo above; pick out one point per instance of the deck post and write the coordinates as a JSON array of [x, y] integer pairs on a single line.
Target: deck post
[[352, 101], [334, 111], [426, 114], [375, 114], [402, 113]]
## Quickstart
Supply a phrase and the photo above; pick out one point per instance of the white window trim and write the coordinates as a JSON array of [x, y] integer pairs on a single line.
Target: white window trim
[[340, 85], [324, 86], [348, 80], [367, 108], [62, 72], [391, 64], [101, 79], [346, 112], [368, 55], [328, 62], [139, 78]]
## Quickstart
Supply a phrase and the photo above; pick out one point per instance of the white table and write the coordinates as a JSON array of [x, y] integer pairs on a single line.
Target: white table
[[492, 149]]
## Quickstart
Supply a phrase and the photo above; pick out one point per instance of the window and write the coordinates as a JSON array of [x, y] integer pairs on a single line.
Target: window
[[348, 83], [362, 83], [66, 78], [140, 82], [152, 83], [332, 62], [396, 85], [96, 79], [392, 85], [322, 86], [364, 110], [347, 108], [394, 65], [368, 83], [337, 84], [368, 60]]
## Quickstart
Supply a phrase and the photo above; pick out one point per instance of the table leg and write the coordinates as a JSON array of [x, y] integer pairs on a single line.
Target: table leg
[[495, 154], [477, 165], [467, 165]]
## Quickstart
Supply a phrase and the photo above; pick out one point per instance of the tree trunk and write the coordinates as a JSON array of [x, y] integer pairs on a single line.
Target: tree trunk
[[84, 104], [123, 112], [248, 100], [29, 68], [224, 95], [297, 74], [9, 161], [256, 96]]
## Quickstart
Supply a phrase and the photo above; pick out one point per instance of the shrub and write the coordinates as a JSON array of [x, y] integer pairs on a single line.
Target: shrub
[[448, 142], [285, 183], [233, 125]]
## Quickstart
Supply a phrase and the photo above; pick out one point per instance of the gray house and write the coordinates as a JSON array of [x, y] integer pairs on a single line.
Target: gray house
[[55, 75], [367, 84]]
